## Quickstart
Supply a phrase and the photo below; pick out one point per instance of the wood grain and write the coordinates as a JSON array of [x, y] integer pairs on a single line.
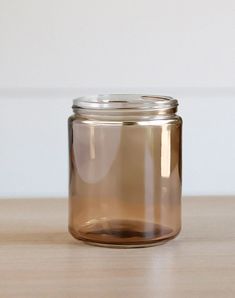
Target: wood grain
[[38, 258]]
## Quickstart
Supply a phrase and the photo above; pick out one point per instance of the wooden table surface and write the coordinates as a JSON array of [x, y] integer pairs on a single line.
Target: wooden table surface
[[38, 258]]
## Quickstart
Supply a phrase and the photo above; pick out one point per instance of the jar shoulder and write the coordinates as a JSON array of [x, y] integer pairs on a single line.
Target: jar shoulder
[[174, 119]]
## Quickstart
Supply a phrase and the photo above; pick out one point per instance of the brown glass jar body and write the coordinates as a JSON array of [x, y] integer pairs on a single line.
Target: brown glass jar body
[[125, 177]]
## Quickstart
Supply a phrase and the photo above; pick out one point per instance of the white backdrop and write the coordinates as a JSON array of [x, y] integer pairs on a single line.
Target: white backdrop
[[54, 50]]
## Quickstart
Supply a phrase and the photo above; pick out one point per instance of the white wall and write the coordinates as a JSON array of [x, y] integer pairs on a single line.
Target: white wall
[[90, 43], [54, 50]]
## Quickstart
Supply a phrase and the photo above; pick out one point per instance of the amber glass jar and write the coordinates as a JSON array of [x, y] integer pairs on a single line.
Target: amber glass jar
[[125, 170]]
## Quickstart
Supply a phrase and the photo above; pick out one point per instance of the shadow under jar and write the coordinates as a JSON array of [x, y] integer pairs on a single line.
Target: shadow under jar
[[125, 170]]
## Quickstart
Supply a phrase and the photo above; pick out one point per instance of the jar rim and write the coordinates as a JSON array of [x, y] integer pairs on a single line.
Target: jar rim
[[125, 101]]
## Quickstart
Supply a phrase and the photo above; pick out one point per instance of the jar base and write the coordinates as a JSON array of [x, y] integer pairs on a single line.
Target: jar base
[[123, 233], [157, 243]]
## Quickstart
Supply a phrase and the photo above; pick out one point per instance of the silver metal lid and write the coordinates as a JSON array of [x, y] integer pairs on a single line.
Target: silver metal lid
[[125, 101]]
